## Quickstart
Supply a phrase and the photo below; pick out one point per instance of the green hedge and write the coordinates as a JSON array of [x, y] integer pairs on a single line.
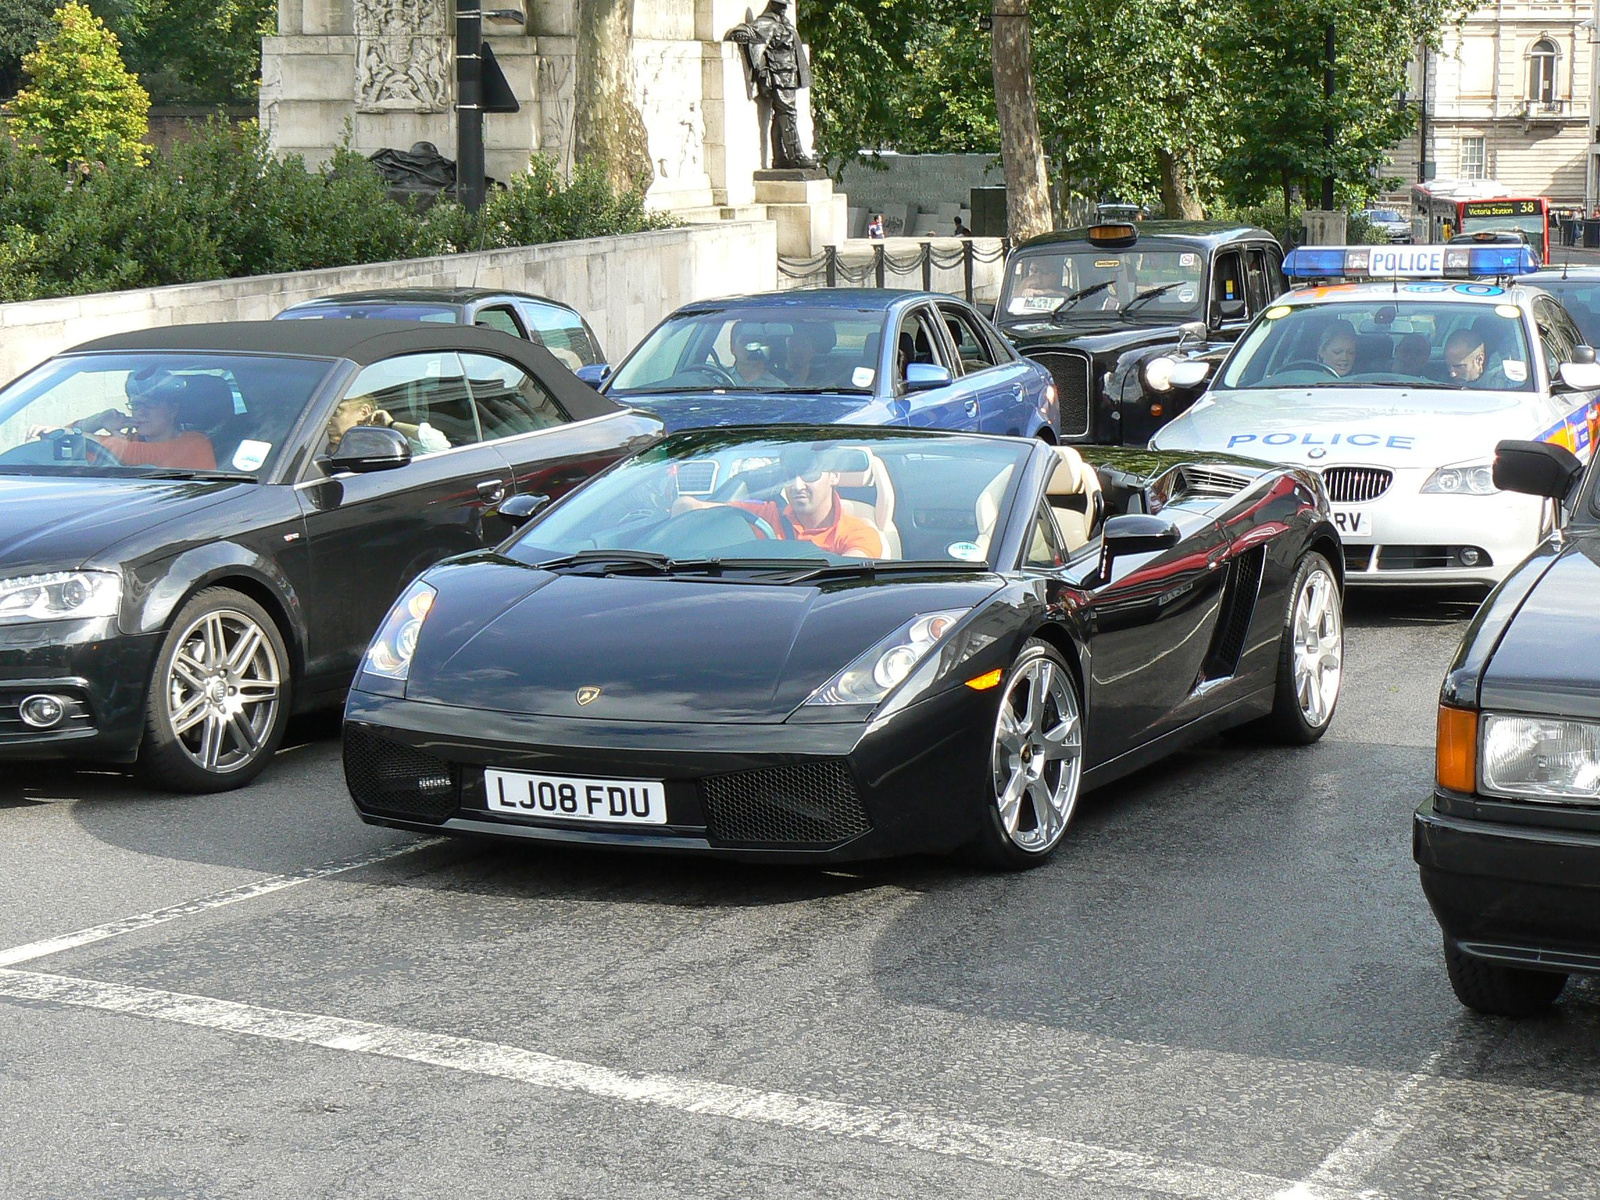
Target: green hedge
[[221, 206]]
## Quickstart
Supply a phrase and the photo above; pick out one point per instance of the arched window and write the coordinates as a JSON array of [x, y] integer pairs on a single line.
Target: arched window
[[1542, 72]]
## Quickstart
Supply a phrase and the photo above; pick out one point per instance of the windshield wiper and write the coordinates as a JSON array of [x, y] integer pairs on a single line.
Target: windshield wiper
[[186, 473], [1080, 294], [1148, 294], [648, 561], [872, 566]]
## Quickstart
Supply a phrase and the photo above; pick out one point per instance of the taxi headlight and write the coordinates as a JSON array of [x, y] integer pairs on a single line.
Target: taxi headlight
[[884, 667], [59, 596], [1158, 373], [1540, 758], [389, 656], [1476, 479]]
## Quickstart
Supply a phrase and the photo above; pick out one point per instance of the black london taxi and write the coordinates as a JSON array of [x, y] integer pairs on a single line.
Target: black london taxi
[[1508, 845], [1131, 319]]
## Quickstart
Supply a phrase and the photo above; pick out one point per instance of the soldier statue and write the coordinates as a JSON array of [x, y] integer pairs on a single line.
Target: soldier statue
[[777, 64]]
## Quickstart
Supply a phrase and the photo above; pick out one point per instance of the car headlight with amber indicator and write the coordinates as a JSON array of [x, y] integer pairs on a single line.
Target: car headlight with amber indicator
[[887, 665]]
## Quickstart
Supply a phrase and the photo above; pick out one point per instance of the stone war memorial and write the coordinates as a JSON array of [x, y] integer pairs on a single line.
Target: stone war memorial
[[728, 139]]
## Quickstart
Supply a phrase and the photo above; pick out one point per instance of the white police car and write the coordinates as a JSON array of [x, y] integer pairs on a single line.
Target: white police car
[[1396, 394]]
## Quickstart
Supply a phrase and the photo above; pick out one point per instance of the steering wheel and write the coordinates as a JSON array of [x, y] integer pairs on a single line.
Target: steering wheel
[[1312, 364], [94, 453], [760, 524], [715, 372]]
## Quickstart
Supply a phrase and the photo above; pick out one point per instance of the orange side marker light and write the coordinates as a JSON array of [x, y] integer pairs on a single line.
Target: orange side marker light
[[986, 681], [1457, 762]]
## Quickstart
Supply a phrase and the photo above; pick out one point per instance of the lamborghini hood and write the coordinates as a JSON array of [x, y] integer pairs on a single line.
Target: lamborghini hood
[[512, 638]]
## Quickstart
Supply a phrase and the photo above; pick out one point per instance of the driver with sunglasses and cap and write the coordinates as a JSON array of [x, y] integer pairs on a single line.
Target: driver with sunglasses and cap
[[812, 512], [149, 434]]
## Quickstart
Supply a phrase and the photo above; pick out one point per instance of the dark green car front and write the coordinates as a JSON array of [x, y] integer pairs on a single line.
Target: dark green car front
[[1111, 309]]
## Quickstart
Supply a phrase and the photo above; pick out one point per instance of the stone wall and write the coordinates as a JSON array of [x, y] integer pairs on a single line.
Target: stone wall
[[623, 285]]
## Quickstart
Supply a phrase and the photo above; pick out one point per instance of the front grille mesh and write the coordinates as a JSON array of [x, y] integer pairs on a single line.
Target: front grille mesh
[[397, 781], [1070, 370], [1355, 485], [806, 803]]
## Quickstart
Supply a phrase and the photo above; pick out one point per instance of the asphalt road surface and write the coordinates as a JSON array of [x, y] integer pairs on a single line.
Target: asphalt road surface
[[1226, 985]]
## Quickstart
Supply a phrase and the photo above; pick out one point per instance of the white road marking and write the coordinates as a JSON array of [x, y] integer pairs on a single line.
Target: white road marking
[[160, 916], [1358, 1154], [1094, 1166]]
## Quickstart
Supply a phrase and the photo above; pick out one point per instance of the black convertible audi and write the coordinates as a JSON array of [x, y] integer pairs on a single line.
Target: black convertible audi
[[201, 526], [793, 644]]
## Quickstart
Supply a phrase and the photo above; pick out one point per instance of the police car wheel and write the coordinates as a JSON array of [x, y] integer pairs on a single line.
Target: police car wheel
[[1310, 654]]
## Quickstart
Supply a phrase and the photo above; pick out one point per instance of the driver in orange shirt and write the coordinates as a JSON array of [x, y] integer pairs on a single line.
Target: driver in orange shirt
[[148, 435], [812, 512]]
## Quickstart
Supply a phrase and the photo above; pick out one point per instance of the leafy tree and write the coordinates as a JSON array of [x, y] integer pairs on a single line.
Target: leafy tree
[[198, 51], [1291, 128], [81, 103], [24, 23]]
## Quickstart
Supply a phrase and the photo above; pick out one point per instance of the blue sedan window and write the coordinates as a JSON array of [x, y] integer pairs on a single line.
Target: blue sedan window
[[760, 350]]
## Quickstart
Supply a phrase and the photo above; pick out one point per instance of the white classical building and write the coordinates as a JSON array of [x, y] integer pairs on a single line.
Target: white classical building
[[381, 72], [1508, 97]]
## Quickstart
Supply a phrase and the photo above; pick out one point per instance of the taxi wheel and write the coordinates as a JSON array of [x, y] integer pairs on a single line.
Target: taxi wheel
[[219, 697], [1500, 991], [1310, 654], [1036, 763]]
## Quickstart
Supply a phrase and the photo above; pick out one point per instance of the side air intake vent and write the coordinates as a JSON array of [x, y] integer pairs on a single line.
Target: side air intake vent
[[1233, 621], [813, 803]]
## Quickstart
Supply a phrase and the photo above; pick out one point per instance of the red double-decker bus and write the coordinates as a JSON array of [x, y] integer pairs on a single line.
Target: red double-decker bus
[[1443, 209]]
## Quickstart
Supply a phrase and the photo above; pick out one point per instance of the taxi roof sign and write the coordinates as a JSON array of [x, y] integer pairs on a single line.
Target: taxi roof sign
[[1409, 262], [1113, 233]]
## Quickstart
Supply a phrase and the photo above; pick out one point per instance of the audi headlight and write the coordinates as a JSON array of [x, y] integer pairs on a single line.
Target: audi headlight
[[389, 656], [884, 667], [1540, 758], [59, 596], [1158, 373], [1474, 480]]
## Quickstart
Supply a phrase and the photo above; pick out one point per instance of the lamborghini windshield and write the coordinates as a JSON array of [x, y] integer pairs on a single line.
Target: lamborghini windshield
[[740, 497]]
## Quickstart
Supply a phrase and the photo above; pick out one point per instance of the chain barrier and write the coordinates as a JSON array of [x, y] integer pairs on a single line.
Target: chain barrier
[[836, 267]]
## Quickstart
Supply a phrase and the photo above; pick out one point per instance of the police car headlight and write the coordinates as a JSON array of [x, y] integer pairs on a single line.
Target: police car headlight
[[1474, 480], [1540, 758], [1158, 373]]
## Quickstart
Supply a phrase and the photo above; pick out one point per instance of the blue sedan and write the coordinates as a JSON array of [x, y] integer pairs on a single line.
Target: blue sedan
[[835, 357]]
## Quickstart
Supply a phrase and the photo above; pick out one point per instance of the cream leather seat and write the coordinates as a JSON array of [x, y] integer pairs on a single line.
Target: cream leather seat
[[874, 477], [1072, 494], [987, 509]]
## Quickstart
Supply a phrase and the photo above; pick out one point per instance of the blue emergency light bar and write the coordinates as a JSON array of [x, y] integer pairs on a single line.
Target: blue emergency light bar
[[1408, 262]]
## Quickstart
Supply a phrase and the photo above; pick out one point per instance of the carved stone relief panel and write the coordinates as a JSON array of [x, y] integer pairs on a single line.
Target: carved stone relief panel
[[403, 56], [556, 79], [670, 101]]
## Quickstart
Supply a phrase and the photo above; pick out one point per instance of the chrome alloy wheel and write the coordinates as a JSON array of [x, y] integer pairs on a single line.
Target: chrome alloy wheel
[[223, 690], [1318, 633], [1038, 753]]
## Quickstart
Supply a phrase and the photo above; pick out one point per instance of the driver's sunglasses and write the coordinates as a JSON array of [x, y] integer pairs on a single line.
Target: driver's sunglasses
[[809, 475]]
